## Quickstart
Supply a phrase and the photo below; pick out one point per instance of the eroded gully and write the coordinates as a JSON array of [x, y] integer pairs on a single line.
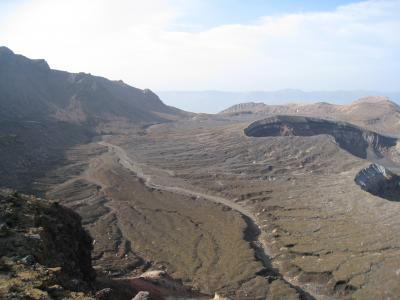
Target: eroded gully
[[259, 244]]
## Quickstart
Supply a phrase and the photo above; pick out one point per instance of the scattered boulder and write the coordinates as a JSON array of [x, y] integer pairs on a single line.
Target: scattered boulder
[[103, 294], [143, 295], [218, 297], [29, 260], [380, 182], [4, 230]]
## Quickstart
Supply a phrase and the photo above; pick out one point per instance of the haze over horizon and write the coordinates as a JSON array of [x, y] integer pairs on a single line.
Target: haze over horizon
[[208, 45], [216, 101]]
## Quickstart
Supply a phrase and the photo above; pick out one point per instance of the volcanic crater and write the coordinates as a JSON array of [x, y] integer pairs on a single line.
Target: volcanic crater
[[365, 144], [358, 141]]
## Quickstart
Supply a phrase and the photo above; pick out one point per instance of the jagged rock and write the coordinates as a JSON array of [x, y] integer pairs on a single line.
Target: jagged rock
[[103, 294], [218, 297], [379, 181], [143, 295], [4, 230], [54, 261], [29, 260], [35, 237], [155, 274], [159, 283]]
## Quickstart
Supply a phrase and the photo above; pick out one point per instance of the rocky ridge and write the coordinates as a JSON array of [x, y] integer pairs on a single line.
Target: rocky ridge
[[31, 90]]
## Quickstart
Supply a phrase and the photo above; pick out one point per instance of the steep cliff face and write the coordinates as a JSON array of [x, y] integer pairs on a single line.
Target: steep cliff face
[[44, 251], [357, 141], [380, 182]]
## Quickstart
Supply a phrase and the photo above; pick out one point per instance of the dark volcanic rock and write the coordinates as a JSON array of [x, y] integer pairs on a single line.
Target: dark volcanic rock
[[103, 294], [45, 251], [379, 181]]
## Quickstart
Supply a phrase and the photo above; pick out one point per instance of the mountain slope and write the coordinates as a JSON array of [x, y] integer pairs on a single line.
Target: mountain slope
[[31, 90], [43, 112]]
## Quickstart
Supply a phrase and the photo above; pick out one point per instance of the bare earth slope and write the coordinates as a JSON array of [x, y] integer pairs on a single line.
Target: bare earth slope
[[140, 225], [322, 231]]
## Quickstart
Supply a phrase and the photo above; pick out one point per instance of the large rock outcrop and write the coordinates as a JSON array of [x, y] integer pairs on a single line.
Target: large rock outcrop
[[380, 182], [44, 251]]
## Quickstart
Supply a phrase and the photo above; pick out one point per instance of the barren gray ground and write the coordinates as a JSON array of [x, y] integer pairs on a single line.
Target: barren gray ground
[[140, 225], [172, 196], [323, 232]]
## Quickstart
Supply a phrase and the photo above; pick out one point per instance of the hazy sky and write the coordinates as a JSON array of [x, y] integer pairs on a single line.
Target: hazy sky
[[213, 44]]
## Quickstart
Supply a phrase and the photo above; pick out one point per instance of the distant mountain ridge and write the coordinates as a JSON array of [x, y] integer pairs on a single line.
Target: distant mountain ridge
[[216, 101]]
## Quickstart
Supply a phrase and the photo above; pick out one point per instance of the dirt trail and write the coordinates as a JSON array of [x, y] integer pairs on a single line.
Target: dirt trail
[[127, 163], [261, 245]]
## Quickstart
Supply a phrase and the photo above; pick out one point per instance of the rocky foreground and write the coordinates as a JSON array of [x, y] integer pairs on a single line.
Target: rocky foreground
[[45, 253]]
